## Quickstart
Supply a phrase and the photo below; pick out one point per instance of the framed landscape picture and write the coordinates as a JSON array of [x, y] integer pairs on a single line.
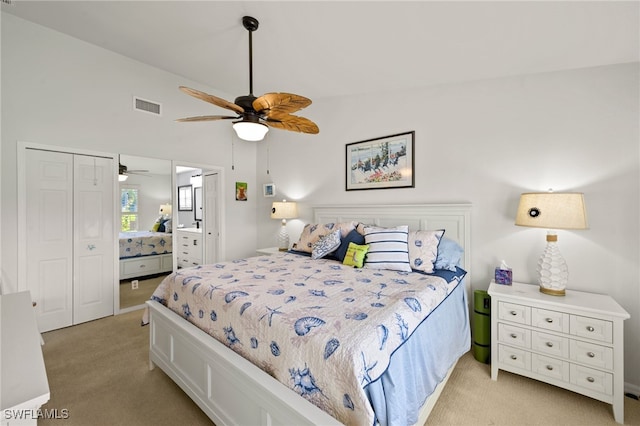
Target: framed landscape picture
[[381, 163]]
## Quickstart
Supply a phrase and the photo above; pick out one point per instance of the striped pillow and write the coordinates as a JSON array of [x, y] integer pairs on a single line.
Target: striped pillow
[[388, 248]]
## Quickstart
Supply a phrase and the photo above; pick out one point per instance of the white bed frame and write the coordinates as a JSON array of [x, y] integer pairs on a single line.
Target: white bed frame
[[233, 391]]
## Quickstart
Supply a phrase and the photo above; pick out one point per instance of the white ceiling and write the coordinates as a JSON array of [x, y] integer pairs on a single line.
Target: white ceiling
[[331, 48]]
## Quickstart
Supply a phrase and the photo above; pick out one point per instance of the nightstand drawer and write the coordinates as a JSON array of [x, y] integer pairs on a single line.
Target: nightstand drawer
[[513, 335], [550, 344], [514, 357], [592, 328], [550, 320], [514, 313], [550, 367], [594, 380], [592, 354]]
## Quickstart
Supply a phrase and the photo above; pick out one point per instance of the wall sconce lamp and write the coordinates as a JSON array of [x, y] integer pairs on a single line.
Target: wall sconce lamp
[[552, 210], [283, 210]]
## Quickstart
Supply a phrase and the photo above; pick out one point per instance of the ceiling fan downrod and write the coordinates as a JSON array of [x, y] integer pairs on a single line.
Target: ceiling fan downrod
[[251, 24]]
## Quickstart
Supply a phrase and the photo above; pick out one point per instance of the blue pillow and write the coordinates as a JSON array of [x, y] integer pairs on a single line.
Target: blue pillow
[[449, 255], [352, 237]]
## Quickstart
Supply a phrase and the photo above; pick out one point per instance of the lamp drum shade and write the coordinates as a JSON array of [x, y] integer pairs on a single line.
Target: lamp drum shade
[[284, 210], [552, 210]]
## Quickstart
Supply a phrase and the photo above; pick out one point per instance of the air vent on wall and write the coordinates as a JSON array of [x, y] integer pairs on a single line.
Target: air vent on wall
[[143, 105]]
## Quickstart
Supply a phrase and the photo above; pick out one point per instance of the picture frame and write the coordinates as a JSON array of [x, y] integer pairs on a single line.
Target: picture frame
[[241, 191], [381, 163], [185, 198], [269, 190]]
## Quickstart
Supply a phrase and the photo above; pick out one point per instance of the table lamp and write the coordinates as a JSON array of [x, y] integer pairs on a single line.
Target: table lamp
[[283, 210], [552, 210]]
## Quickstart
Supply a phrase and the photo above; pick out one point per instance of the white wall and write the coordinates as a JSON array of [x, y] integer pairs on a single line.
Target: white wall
[[57, 90], [486, 142]]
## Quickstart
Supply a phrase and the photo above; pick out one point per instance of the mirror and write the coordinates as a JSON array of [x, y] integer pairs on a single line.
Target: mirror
[[197, 203], [145, 248]]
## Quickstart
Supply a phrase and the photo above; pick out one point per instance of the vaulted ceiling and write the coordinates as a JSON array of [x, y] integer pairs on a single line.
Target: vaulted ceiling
[[334, 48]]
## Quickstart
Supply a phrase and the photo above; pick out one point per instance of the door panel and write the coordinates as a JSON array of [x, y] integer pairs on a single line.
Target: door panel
[[93, 238], [49, 224], [211, 231]]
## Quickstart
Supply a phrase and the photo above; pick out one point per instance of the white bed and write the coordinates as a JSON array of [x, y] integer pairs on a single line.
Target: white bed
[[232, 390]]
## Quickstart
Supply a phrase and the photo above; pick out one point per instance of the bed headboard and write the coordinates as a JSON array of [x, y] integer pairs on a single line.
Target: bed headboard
[[455, 219]]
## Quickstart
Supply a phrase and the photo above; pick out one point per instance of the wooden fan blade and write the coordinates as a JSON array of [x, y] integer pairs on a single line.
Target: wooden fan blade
[[280, 103], [207, 118], [212, 99], [292, 123]]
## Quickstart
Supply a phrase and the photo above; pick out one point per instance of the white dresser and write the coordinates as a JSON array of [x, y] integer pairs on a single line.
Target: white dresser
[[189, 247], [574, 341]]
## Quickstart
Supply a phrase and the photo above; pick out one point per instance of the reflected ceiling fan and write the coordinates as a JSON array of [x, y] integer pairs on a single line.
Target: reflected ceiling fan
[[255, 114], [124, 172]]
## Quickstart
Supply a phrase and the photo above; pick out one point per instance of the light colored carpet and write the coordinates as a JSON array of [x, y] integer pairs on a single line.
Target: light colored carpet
[[146, 287], [99, 372]]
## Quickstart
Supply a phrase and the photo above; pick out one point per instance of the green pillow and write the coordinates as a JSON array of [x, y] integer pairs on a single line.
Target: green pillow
[[155, 227], [355, 255]]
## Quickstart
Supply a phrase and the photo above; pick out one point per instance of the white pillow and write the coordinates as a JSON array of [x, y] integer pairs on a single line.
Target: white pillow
[[326, 244], [423, 249], [388, 248]]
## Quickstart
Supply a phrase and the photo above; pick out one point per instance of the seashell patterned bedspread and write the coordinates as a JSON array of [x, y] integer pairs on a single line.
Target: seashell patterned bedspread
[[323, 329]]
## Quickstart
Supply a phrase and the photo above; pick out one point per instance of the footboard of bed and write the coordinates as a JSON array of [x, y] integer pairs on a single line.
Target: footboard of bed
[[227, 387]]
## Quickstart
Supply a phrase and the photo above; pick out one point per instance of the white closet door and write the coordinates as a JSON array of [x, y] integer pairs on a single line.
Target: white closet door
[[93, 238], [49, 224]]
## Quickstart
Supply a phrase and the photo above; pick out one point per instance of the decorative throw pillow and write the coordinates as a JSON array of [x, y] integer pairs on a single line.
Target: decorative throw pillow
[[449, 255], [326, 244], [352, 237], [355, 255], [388, 248], [423, 249], [310, 234], [155, 227]]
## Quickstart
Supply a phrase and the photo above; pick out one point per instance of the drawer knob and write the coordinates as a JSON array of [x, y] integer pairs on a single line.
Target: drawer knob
[[550, 367], [514, 313], [591, 354], [143, 266], [590, 379], [513, 357], [549, 320], [549, 344], [590, 328], [514, 335]]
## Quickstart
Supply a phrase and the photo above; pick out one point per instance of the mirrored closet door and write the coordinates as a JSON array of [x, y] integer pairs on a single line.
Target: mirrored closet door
[[146, 230]]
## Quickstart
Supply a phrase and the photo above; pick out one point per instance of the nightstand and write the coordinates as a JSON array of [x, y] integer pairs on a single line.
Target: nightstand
[[268, 251], [574, 341]]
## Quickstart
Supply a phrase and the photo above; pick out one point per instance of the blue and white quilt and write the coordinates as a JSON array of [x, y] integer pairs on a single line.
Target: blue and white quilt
[[144, 243], [323, 329]]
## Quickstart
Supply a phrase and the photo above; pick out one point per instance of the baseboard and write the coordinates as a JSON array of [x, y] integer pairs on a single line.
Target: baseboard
[[632, 389]]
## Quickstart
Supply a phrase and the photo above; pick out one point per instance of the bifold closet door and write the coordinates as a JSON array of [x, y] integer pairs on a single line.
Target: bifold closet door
[[93, 260], [70, 237], [49, 235]]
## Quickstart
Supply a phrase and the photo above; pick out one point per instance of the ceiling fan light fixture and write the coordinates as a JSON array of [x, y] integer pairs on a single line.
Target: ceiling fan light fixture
[[250, 131], [122, 178]]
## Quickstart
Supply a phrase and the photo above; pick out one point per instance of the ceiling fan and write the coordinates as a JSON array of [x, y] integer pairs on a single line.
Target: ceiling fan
[[255, 114], [124, 172]]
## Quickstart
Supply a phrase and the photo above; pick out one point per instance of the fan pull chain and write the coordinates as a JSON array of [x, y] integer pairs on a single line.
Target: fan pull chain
[[95, 179], [233, 145], [267, 156]]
